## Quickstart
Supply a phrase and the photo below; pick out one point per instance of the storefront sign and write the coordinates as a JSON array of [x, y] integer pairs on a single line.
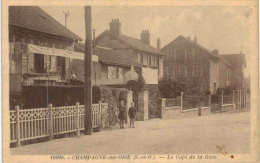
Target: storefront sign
[[58, 52]]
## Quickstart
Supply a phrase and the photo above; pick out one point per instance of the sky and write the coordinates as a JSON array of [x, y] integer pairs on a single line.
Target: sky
[[226, 28]]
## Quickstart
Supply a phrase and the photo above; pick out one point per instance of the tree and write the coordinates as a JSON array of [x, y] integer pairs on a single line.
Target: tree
[[170, 88]]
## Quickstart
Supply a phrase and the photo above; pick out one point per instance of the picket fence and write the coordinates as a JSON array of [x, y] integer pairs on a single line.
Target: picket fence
[[29, 124], [239, 99]]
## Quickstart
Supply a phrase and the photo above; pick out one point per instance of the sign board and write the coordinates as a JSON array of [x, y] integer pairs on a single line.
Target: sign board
[[58, 52]]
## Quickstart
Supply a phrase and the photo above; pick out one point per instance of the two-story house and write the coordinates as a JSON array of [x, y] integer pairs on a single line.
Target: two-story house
[[117, 54], [197, 68], [39, 55]]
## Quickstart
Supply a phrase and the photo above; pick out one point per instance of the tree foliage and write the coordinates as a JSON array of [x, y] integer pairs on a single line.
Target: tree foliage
[[170, 88]]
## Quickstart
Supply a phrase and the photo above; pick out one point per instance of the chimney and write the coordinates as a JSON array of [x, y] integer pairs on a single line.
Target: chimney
[[195, 39], [158, 43], [115, 27], [145, 37], [215, 51]]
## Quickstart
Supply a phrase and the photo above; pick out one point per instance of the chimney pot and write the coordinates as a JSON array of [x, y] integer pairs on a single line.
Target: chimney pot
[[145, 37], [115, 27], [158, 43], [215, 51]]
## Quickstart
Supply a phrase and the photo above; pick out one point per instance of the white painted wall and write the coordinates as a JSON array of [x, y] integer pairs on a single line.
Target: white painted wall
[[150, 75]]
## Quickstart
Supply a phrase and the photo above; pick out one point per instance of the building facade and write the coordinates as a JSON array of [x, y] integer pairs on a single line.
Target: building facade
[[39, 53], [147, 62], [200, 70]]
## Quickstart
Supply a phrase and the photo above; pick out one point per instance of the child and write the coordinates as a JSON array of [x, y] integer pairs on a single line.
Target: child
[[131, 114]]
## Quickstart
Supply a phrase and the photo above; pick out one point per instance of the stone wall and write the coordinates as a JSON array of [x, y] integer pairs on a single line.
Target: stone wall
[[153, 100]]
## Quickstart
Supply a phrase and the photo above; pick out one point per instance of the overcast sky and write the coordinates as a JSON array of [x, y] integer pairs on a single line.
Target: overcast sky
[[225, 28]]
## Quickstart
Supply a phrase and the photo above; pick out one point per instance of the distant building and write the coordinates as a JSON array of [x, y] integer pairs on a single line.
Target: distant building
[[191, 64], [238, 64]]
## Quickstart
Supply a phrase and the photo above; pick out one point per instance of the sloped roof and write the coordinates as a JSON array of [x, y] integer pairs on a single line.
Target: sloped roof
[[180, 37], [130, 42], [34, 18], [120, 57], [236, 60]]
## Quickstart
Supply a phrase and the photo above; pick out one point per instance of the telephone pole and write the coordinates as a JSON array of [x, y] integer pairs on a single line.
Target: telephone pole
[[88, 69]]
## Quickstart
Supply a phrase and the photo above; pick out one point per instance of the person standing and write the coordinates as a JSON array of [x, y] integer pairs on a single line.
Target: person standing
[[131, 114], [121, 115]]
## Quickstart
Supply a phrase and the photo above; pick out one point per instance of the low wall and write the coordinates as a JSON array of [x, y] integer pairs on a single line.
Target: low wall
[[228, 107], [175, 112]]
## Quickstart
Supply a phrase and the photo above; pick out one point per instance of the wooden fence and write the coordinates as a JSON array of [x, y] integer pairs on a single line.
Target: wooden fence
[[29, 124], [190, 102], [171, 102]]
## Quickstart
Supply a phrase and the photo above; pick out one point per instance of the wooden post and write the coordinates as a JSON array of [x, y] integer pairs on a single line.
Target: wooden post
[[50, 121], [240, 101], [181, 101], [209, 103], [88, 69], [163, 103], [78, 119], [233, 99], [17, 109], [100, 114], [222, 98]]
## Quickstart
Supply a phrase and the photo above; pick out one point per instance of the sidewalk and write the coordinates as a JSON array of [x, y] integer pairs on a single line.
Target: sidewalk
[[157, 136]]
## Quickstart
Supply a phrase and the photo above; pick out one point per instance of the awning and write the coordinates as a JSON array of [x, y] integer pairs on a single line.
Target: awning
[[58, 52]]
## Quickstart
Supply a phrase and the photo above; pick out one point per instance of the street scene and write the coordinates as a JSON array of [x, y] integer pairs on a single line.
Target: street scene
[[94, 80]]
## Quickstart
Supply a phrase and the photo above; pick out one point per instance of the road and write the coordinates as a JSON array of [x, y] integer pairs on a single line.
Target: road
[[157, 136]]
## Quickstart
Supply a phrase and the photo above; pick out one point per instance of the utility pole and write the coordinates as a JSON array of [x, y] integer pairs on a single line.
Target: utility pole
[[88, 69], [66, 14]]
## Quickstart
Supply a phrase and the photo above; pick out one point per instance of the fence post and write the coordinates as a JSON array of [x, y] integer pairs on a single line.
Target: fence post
[[222, 97], [100, 113], [163, 105], [209, 103], [233, 99], [181, 101], [78, 119], [240, 101], [50, 121], [17, 109]]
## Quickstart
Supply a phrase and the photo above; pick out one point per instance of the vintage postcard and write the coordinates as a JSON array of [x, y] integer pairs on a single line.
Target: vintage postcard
[[130, 81]]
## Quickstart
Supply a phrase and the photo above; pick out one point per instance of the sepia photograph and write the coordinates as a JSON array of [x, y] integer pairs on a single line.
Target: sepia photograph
[[130, 81]]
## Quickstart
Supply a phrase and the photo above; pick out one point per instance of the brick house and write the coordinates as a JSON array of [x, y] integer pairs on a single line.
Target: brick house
[[117, 53], [39, 53], [191, 64]]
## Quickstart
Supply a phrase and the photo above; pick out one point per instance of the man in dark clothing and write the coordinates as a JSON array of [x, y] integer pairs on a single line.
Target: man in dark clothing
[[122, 112], [131, 114]]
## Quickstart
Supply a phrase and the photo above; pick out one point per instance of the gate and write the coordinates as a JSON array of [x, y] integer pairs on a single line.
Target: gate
[[241, 99]]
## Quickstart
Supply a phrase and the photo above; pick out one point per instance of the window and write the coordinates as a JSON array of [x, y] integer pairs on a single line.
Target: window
[[39, 63], [112, 72], [115, 72], [145, 60], [214, 87], [120, 73], [61, 65], [228, 75], [139, 57]]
